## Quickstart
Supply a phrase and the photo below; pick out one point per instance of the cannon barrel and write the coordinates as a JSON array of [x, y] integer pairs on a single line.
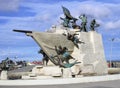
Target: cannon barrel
[[22, 31]]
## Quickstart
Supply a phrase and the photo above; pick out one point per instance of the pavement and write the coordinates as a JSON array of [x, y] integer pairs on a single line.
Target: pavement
[[106, 84], [59, 81], [106, 81]]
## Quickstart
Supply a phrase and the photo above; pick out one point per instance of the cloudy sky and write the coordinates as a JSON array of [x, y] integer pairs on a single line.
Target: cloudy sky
[[39, 15]]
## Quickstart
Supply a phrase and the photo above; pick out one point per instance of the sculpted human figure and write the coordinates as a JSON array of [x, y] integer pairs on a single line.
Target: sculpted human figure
[[66, 55], [68, 18], [93, 24], [74, 25], [63, 54], [59, 50], [45, 57], [68, 65], [74, 39], [65, 22], [84, 22], [65, 65]]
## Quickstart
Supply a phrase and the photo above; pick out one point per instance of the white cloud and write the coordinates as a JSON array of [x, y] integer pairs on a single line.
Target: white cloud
[[113, 25], [95, 9], [76, 8], [9, 5], [51, 12]]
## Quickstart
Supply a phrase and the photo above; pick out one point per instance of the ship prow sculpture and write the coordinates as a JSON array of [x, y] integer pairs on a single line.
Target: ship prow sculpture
[[48, 43], [71, 48]]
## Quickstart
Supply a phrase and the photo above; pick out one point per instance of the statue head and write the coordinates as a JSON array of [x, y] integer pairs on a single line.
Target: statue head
[[60, 47], [81, 16], [93, 20], [65, 48]]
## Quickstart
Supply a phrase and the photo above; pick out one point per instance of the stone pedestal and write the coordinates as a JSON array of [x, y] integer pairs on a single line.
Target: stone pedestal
[[54, 71], [93, 59], [91, 53], [37, 70], [4, 75], [67, 73]]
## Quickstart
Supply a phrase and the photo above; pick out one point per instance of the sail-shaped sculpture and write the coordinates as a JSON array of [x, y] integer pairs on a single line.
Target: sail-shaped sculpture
[[48, 41]]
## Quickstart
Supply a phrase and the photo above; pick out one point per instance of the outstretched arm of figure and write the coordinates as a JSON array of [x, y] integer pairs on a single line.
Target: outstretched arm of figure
[[81, 42], [62, 18], [75, 34], [72, 57]]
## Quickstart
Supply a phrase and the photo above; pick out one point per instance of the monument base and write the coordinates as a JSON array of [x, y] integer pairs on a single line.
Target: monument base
[[4, 75]]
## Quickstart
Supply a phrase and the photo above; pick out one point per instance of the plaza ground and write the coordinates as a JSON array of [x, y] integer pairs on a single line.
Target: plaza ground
[[106, 84]]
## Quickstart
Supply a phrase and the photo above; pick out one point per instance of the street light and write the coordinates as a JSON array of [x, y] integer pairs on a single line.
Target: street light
[[112, 40]]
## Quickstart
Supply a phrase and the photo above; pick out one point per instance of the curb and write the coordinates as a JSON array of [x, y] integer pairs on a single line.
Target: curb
[[57, 81]]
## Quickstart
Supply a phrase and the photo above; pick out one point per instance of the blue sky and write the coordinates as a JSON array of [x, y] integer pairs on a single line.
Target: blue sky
[[39, 15]]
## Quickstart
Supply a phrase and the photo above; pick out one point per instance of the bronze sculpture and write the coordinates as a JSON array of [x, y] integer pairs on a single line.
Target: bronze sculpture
[[93, 24], [84, 22]]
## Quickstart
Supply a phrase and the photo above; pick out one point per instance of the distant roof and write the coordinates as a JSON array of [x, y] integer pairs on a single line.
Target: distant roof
[[114, 60]]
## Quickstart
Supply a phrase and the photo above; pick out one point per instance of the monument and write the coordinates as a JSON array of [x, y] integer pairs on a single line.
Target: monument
[[71, 50]]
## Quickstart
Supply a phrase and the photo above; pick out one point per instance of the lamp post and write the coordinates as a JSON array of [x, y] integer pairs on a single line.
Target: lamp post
[[112, 40]]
